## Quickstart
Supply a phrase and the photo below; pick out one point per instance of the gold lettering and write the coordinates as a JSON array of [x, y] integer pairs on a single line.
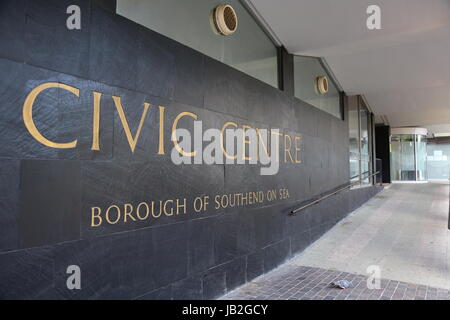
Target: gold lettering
[[264, 146], [174, 136], [279, 134], [27, 113], [255, 197], [237, 197], [153, 209], [170, 213], [245, 141], [128, 210], [161, 130], [224, 205], [96, 216], [198, 200], [230, 123], [287, 150], [138, 211], [261, 196], [232, 201], [96, 122], [181, 206], [297, 148], [244, 198], [107, 214], [216, 200], [131, 141]]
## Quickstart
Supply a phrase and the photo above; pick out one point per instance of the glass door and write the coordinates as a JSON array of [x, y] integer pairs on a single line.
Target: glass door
[[408, 157], [395, 158]]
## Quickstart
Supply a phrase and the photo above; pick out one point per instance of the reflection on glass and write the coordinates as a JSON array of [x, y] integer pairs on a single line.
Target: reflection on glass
[[364, 133], [408, 157], [306, 70], [248, 49], [364, 138], [354, 169], [353, 123], [438, 161], [395, 157], [421, 147], [365, 172], [353, 120], [359, 122]]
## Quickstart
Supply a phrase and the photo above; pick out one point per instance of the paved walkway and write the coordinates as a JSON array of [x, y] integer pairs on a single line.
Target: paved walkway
[[291, 282], [403, 230]]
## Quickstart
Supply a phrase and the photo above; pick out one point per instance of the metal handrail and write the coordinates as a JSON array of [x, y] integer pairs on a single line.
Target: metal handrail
[[293, 212]]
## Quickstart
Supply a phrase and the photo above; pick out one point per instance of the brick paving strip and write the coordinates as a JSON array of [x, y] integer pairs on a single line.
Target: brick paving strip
[[291, 282]]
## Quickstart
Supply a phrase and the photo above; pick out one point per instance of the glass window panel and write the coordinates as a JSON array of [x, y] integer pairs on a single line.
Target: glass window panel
[[354, 169], [421, 153], [364, 132], [353, 120], [408, 165], [365, 172], [360, 142], [438, 161], [409, 157], [395, 157], [306, 70], [249, 49]]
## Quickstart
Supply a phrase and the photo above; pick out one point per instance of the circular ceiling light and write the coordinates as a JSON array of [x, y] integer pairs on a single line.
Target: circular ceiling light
[[224, 20], [321, 85]]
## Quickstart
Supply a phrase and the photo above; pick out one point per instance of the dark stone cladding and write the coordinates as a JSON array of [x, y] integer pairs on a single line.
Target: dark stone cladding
[[46, 193], [382, 134]]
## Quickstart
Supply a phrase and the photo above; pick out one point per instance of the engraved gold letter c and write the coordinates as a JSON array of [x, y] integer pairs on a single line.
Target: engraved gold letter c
[[28, 114]]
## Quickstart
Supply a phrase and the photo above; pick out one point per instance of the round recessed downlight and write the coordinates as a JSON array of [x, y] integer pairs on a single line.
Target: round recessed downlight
[[224, 20], [321, 84]]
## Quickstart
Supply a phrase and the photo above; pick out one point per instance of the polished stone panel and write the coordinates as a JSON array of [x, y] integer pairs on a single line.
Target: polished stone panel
[[187, 289], [236, 273], [276, 254], [255, 264], [58, 114], [49, 209], [26, 274], [201, 244], [158, 294], [50, 44], [10, 190], [214, 283], [12, 29], [96, 264], [107, 5], [125, 182]]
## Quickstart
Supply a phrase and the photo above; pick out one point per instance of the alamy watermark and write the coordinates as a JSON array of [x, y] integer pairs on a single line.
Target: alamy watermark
[[227, 146], [74, 280], [374, 279], [374, 20], [73, 22]]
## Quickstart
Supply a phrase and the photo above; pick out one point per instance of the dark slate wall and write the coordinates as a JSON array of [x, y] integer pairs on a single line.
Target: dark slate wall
[[382, 134], [46, 194]]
